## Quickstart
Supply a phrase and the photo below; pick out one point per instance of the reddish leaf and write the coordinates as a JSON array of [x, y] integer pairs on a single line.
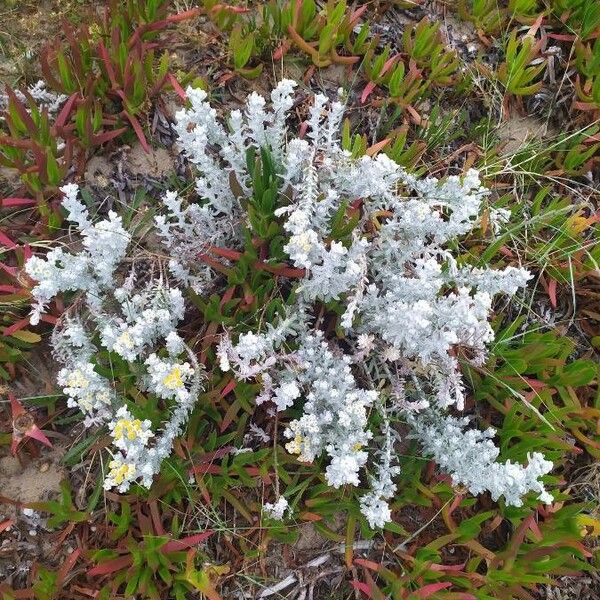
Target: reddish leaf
[[534, 528], [371, 85], [230, 386], [281, 51], [361, 586], [226, 77], [156, 518], [49, 319], [67, 566], [534, 384], [138, 131], [562, 37], [137, 34], [5, 525], [432, 588], [214, 263], [178, 89], [227, 296], [16, 327], [357, 14], [47, 71], [283, 271], [6, 241], [110, 566], [16, 408], [375, 148], [41, 162], [435, 567], [23, 113], [310, 516], [6, 202], [36, 433], [535, 26], [416, 117], [232, 9], [65, 111], [297, 13], [33, 431], [552, 292], [584, 106], [230, 415], [187, 542], [101, 138], [455, 503], [388, 64], [367, 91], [255, 472], [369, 564], [107, 64], [225, 252], [186, 14]]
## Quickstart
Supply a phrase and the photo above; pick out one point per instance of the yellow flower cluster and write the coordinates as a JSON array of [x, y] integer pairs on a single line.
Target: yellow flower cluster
[[174, 379], [84, 388], [303, 241], [126, 340], [77, 380], [294, 447], [119, 471], [127, 427]]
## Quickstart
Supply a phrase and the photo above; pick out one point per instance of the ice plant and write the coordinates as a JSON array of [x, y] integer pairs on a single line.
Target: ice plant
[[24, 426]]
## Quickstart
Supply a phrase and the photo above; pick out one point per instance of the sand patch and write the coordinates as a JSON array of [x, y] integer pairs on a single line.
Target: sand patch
[[36, 481]]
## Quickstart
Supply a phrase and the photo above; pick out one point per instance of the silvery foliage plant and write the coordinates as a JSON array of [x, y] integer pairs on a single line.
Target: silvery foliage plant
[[137, 322], [408, 304], [44, 98]]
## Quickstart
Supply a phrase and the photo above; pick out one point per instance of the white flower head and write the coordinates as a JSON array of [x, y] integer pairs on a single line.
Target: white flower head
[[277, 510], [130, 435], [168, 378]]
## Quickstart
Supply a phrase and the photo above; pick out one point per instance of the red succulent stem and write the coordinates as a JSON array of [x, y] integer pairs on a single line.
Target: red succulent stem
[[281, 270]]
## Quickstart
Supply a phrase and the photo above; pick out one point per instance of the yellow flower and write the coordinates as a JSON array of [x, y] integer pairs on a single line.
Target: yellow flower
[[174, 380], [125, 340], [129, 427], [77, 380], [294, 447], [302, 240], [119, 471], [357, 447]]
